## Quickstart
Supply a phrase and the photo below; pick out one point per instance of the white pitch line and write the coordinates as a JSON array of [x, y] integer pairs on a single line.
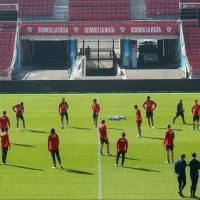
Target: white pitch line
[[99, 166]]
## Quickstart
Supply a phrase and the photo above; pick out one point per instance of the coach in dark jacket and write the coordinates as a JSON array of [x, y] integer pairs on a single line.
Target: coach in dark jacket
[[179, 169], [194, 174]]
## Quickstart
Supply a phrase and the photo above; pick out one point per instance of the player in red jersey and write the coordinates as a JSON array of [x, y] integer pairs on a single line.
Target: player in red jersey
[[62, 109], [196, 113], [95, 111], [19, 109], [53, 147], [4, 121], [149, 106], [103, 137], [138, 120], [169, 143], [5, 143], [122, 148]]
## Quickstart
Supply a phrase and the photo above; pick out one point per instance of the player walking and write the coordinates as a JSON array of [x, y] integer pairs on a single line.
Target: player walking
[[196, 112], [149, 106], [95, 111], [103, 137], [62, 109], [169, 143], [5, 143], [4, 121], [138, 120], [53, 147], [19, 109], [122, 148], [179, 112]]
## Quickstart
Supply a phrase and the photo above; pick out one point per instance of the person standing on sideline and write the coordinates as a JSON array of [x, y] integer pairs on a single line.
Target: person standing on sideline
[[19, 114], [122, 148], [53, 147], [179, 169], [196, 112], [169, 143], [149, 106], [194, 174], [5, 143], [179, 112], [95, 111], [62, 109], [138, 120], [4, 121]]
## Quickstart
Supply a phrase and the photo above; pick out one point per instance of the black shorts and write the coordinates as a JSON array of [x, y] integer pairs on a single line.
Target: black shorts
[[62, 114], [139, 122], [95, 116], [106, 141], [195, 118], [20, 117], [169, 147], [179, 114], [149, 114]]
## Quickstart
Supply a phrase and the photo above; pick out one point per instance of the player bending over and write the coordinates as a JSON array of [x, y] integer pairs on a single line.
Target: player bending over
[[19, 109], [149, 106], [4, 121], [103, 137], [53, 147], [179, 111], [138, 120], [196, 112], [95, 111], [62, 109], [169, 143]]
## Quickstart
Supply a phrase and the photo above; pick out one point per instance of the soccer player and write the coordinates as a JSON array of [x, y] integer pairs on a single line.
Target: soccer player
[[4, 121], [5, 143], [179, 111], [149, 106], [196, 112], [95, 111], [103, 137], [138, 120], [62, 109], [169, 143], [122, 148], [53, 147], [19, 109]]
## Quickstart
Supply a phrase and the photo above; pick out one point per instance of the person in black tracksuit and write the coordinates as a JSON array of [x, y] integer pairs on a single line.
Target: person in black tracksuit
[[194, 174], [180, 112], [179, 169]]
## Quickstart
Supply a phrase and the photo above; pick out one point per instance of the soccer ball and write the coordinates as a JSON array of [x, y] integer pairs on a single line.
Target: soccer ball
[[62, 127]]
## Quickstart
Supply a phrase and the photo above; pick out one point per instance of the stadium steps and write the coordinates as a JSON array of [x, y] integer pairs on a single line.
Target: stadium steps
[[61, 10], [137, 9]]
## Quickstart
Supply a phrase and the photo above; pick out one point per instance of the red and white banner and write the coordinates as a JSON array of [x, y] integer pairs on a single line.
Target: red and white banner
[[100, 29], [190, 6], [8, 7]]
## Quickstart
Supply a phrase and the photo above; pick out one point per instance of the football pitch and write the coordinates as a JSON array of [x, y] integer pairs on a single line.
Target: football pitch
[[86, 175]]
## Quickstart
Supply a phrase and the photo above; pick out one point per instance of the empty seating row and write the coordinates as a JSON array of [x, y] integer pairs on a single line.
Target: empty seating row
[[190, 23], [189, 1]]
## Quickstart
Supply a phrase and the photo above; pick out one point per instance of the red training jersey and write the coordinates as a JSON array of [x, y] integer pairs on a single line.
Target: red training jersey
[[53, 141], [196, 109], [102, 131], [149, 105], [63, 106], [95, 108], [138, 115], [5, 139], [169, 137], [122, 144], [19, 109], [4, 121]]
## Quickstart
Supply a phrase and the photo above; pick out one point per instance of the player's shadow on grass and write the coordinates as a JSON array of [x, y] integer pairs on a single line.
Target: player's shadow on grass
[[142, 169], [152, 138], [81, 128], [24, 145], [174, 129], [77, 171], [116, 129], [23, 167], [126, 158], [36, 131]]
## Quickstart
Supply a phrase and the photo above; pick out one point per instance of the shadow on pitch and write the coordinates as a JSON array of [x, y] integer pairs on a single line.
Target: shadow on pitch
[[175, 129], [116, 129], [23, 145], [152, 138], [36, 131], [142, 169], [80, 128], [23, 167], [77, 171], [126, 158]]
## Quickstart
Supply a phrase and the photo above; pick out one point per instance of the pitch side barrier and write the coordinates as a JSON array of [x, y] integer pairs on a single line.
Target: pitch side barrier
[[100, 86]]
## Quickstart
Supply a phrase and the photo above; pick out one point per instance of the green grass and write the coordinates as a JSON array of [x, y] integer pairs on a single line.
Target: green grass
[[147, 177]]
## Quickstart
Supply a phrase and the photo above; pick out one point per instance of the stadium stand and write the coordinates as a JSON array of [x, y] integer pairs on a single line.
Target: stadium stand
[[162, 7], [189, 1], [7, 42], [9, 1], [99, 10]]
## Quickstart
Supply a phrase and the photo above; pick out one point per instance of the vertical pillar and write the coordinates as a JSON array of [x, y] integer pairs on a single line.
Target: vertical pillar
[[126, 53], [134, 53], [73, 52]]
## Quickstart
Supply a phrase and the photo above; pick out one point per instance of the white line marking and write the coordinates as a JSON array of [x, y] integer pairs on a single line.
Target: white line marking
[[99, 166]]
